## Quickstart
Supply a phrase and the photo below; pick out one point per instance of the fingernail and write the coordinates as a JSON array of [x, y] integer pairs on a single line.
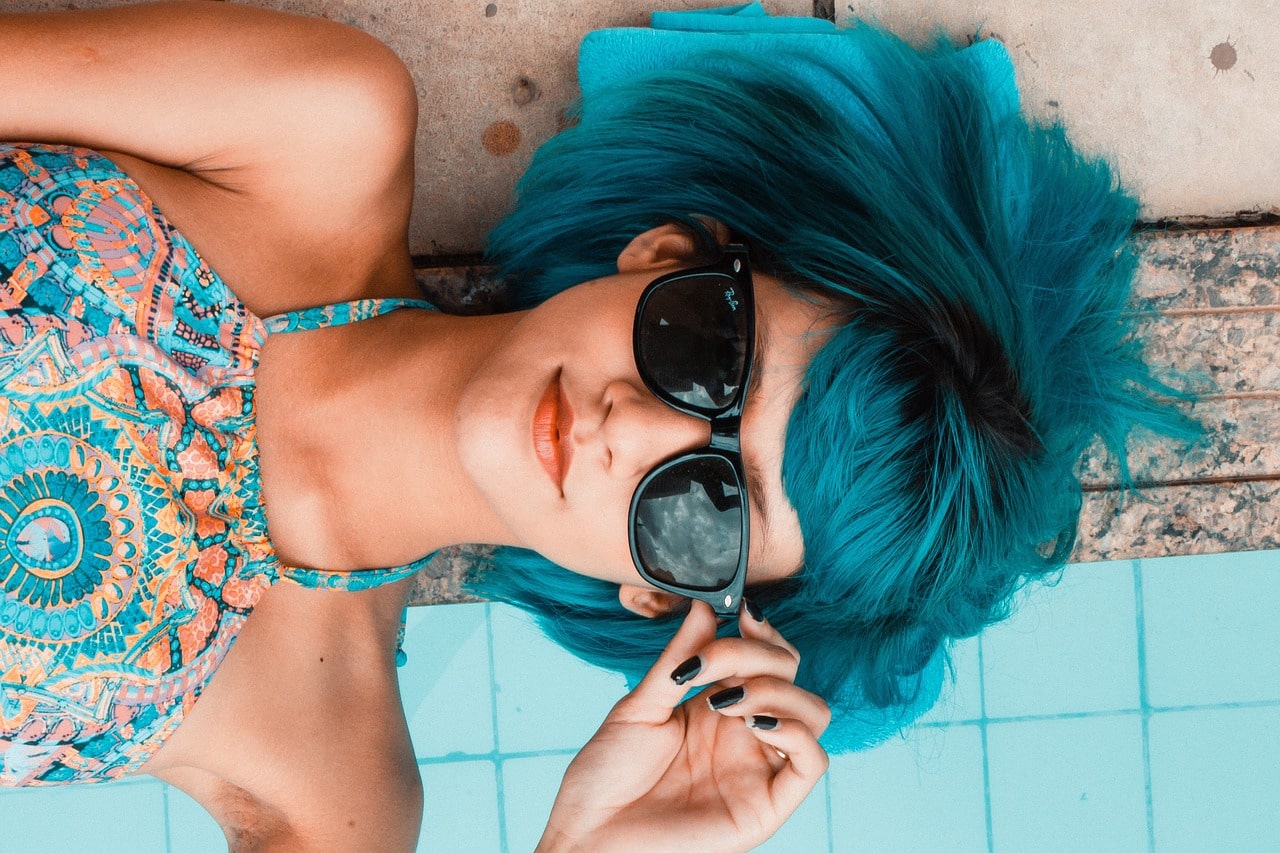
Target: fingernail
[[687, 670], [753, 610], [725, 698], [762, 722]]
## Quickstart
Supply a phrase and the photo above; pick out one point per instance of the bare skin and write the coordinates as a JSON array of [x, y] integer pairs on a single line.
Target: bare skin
[[299, 742]]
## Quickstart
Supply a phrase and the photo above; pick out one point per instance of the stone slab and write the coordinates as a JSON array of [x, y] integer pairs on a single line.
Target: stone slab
[[1183, 96], [1203, 518], [1211, 269], [493, 79]]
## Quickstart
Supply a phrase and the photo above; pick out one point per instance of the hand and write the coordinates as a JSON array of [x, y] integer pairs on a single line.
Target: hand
[[660, 775]]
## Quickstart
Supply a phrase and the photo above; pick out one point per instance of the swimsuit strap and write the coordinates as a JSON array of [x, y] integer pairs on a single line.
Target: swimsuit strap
[[356, 581], [319, 317], [337, 314], [352, 581]]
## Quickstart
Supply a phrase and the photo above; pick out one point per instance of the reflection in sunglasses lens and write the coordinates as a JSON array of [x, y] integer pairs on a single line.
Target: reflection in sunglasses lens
[[693, 341], [689, 524]]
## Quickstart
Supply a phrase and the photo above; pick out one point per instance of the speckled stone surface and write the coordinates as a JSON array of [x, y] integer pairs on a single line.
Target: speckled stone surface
[[1202, 518], [1181, 95], [494, 78], [1209, 304]]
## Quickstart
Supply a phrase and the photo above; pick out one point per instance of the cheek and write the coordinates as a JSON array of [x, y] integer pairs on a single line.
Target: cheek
[[590, 543]]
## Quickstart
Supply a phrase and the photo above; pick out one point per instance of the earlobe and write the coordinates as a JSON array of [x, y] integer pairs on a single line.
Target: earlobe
[[646, 601], [670, 245]]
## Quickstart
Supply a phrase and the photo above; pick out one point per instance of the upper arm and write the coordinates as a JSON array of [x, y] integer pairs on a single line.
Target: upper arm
[[210, 88], [280, 145]]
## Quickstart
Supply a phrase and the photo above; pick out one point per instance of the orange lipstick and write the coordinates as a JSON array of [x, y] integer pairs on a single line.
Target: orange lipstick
[[551, 422]]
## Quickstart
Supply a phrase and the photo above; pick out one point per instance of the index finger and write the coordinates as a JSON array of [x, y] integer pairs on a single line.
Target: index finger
[[657, 695]]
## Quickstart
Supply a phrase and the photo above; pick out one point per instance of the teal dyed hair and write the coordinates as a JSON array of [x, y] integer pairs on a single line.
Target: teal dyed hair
[[980, 270]]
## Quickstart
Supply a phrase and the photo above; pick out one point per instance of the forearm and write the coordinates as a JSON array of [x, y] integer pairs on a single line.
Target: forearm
[[181, 84]]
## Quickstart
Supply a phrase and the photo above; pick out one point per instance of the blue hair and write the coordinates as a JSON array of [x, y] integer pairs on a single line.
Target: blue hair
[[980, 272]]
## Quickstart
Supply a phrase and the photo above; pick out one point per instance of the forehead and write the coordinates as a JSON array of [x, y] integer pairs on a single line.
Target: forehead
[[790, 329]]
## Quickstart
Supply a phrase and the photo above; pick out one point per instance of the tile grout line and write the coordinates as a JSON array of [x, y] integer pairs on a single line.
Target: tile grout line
[[164, 804], [493, 710], [1143, 702], [492, 755], [986, 762], [1112, 712], [831, 834]]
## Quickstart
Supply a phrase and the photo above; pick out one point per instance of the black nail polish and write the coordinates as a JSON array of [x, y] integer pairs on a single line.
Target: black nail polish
[[725, 698], [687, 670], [762, 722], [753, 610]]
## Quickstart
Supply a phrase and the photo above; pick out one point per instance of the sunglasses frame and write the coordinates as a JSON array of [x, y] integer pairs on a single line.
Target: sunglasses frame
[[726, 438]]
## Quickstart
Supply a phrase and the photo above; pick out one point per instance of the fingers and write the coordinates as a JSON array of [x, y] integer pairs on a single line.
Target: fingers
[[753, 628], [806, 760], [736, 658], [694, 658], [657, 694], [760, 650], [774, 697]]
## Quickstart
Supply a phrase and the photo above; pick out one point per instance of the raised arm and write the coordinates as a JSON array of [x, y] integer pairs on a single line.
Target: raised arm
[[201, 86], [297, 126]]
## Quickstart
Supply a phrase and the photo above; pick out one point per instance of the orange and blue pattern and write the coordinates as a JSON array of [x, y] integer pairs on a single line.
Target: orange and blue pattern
[[134, 539]]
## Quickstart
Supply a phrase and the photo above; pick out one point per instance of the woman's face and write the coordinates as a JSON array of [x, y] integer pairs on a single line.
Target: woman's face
[[569, 363]]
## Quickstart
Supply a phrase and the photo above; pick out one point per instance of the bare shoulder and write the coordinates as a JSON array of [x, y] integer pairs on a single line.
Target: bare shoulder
[[283, 151]]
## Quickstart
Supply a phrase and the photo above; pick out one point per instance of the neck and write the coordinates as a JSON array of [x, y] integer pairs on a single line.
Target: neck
[[384, 428]]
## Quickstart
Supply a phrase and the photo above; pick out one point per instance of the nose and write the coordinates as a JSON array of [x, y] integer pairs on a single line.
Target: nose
[[641, 431]]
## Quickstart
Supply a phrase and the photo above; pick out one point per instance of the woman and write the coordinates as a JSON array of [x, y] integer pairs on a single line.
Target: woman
[[902, 417]]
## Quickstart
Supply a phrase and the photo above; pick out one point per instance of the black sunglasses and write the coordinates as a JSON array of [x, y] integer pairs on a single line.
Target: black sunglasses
[[689, 523]]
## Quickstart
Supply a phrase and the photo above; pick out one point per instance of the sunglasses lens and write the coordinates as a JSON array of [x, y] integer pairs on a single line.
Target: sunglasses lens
[[688, 529], [693, 340]]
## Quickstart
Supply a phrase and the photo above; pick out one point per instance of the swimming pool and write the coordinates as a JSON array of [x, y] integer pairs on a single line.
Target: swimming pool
[[1133, 706]]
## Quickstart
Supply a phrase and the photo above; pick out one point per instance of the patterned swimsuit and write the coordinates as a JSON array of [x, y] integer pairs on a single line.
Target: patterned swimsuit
[[133, 540]]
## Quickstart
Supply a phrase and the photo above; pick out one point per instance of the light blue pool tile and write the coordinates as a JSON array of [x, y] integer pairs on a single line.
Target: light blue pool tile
[[529, 787], [111, 818], [961, 698], [460, 808], [191, 828], [547, 698], [1068, 785], [1214, 780], [1213, 628], [919, 793], [806, 829], [445, 684], [1069, 648]]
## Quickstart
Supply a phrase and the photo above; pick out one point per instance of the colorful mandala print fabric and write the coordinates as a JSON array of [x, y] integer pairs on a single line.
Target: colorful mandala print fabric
[[132, 541]]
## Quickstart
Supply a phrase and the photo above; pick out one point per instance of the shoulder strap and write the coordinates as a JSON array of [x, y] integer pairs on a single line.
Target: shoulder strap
[[352, 581], [337, 314]]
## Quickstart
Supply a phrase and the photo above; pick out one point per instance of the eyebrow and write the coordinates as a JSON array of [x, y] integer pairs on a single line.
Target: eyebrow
[[755, 476]]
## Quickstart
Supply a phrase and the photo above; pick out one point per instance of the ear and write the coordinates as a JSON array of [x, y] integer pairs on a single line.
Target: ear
[[646, 601], [666, 246]]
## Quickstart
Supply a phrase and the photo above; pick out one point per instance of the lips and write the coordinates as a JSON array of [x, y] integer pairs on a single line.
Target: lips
[[552, 420]]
